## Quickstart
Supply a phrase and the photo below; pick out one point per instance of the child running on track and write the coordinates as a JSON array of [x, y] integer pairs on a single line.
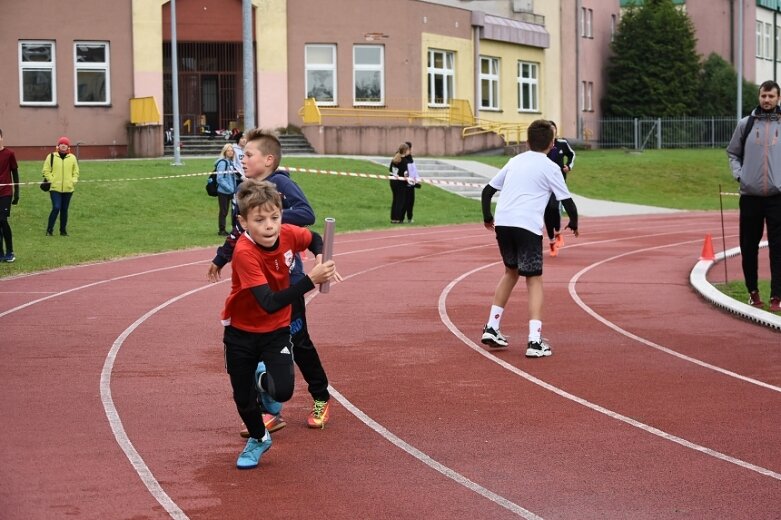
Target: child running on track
[[262, 155], [526, 182], [561, 150], [256, 316]]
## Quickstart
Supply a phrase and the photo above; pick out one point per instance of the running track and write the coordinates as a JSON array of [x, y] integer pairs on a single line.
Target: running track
[[654, 405]]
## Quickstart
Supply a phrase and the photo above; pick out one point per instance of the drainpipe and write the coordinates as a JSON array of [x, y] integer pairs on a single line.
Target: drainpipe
[[732, 32], [578, 122], [478, 22]]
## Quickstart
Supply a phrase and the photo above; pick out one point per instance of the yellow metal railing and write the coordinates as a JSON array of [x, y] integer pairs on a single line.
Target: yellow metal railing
[[459, 113], [143, 111], [510, 133]]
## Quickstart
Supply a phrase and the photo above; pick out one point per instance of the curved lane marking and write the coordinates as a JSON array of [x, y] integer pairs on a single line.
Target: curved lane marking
[[579, 400], [573, 293]]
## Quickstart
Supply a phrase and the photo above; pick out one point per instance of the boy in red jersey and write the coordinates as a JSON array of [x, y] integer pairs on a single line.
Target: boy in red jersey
[[258, 348]]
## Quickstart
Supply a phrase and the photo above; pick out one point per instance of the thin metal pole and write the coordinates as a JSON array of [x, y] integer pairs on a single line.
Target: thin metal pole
[[740, 60], [723, 239], [175, 88], [249, 66]]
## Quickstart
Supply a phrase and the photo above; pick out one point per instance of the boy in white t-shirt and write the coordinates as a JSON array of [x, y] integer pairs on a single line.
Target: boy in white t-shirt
[[525, 184]]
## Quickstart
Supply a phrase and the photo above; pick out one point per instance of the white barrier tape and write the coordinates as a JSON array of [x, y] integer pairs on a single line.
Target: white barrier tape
[[731, 194], [290, 169]]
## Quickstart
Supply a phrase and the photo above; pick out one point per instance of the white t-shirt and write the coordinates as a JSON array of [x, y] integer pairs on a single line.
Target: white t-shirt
[[525, 185], [238, 154]]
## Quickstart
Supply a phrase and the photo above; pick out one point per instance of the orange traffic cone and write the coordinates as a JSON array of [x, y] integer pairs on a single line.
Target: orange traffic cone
[[707, 249]]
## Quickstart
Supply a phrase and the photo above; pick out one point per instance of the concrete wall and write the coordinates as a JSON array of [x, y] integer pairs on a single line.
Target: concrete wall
[[385, 140]]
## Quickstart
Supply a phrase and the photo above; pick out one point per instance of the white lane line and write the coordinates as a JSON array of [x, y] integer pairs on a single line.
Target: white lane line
[[93, 284], [573, 293], [143, 471], [588, 404], [431, 463]]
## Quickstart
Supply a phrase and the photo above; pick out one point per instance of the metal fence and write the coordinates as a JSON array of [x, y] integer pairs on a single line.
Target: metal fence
[[641, 133]]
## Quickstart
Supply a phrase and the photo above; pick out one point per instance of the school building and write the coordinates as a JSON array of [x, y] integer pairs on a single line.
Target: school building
[[354, 76]]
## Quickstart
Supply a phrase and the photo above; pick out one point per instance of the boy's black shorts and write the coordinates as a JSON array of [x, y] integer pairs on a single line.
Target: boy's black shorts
[[520, 249]]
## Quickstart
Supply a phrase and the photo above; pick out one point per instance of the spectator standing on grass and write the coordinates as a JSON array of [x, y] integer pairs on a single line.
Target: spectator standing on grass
[[398, 175], [413, 183], [525, 183], [227, 184], [755, 159], [9, 195], [61, 169], [564, 157]]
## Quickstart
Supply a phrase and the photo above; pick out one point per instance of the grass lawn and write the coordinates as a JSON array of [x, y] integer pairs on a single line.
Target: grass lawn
[[127, 207]]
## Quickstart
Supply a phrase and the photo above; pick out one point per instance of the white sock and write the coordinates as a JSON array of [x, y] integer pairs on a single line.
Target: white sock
[[535, 330], [495, 317]]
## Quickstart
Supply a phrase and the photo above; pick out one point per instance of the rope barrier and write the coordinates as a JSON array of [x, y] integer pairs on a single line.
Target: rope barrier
[[290, 169]]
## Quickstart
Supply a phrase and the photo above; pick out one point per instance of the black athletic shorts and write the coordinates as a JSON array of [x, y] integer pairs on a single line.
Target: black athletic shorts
[[520, 249]]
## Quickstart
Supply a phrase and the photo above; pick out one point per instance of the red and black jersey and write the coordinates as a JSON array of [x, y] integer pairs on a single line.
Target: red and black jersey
[[254, 266]]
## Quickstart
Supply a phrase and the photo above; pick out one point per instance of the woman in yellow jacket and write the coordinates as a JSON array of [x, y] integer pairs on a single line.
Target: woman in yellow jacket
[[61, 169]]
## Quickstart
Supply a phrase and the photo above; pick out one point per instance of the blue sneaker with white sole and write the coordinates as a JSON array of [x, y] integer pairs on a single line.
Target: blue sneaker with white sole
[[250, 456], [267, 402]]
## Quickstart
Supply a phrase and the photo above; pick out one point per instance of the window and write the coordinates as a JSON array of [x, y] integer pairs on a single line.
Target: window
[[768, 39], [613, 25], [759, 39], [586, 96], [489, 83], [528, 100], [37, 73], [441, 73], [92, 73], [320, 63], [368, 75], [778, 42], [586, 19]]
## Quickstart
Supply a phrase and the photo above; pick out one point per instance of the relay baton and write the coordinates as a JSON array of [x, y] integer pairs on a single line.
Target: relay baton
[[328, 248]]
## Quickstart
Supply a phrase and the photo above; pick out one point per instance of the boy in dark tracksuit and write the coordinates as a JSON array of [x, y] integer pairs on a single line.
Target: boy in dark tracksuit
[[262, 155], [561, 150]]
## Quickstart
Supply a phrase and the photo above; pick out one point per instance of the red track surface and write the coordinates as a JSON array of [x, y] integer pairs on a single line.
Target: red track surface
[[654, 405]]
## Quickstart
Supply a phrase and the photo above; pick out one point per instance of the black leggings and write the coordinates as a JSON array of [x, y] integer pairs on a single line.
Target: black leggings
[[5, 228], [552, 217], [305, 354]]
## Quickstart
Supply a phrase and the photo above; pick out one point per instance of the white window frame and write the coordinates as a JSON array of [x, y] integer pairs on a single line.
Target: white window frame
[[448, 76], [104, 67], [492, 77], [778, 42], [613, 27], [532, 82], [321, 67], [40, 66], [586, 22], [378, 67], [589, 96], [759, 25], [768, 41]]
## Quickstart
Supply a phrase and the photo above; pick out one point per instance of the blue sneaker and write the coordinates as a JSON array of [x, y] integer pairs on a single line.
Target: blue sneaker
[[269, 405], [10, 257], [250, 457]]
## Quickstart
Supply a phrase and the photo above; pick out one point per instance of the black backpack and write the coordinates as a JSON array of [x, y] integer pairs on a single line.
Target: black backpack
[[211, 182]]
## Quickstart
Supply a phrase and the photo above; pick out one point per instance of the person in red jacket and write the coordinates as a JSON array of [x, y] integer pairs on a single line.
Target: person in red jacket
[[9, 194]]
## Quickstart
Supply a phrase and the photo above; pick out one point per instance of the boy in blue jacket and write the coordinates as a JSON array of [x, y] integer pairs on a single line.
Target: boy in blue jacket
[[262, 155]]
